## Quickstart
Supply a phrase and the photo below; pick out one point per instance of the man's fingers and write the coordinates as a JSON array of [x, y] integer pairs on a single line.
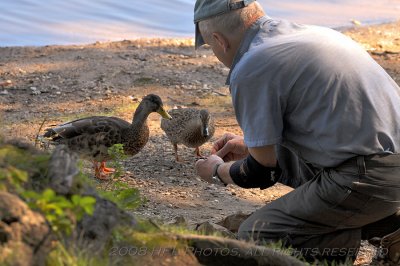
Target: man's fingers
[[219, 144], [215, 148], [226, 149]]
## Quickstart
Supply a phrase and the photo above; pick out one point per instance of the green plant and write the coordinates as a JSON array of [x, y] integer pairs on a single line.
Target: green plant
[[61, 212], [63, 256], [12, 178], [17, 163], [144, 81], [121, 194], [117, 155]]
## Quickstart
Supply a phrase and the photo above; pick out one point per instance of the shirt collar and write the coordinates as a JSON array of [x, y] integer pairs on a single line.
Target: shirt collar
[[249, 35]]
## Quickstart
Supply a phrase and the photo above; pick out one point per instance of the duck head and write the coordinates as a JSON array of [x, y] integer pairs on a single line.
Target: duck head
[[205, 119], [154, 104]]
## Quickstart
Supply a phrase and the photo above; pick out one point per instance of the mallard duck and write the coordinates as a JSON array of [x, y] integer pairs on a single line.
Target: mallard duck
[[91, 137], [188, 126]]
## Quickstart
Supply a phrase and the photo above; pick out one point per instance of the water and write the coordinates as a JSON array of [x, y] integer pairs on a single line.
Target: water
[[44, 22]]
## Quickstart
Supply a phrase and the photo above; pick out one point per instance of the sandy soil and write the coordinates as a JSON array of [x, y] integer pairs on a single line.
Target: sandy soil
[[43, 86]]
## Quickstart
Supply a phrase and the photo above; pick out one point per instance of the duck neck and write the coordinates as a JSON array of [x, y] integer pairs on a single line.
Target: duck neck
[[140, 117]]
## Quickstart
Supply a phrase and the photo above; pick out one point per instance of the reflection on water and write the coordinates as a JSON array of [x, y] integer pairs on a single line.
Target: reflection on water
[[42, 22]]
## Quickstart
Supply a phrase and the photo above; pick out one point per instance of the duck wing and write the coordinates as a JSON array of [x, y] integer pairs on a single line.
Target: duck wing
[[176, 128], [86, 126], [90, 137]]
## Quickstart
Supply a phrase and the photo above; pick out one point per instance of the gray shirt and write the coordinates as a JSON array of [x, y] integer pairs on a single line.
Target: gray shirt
[[315, 91]]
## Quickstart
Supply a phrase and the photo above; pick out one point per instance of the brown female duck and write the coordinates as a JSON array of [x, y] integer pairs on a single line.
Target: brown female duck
[[188, 126], [91, 137]]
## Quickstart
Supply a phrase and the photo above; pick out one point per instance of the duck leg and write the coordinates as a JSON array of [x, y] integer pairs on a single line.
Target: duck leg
[[106, 169], [197, 151], [176, 153], [101, 171]]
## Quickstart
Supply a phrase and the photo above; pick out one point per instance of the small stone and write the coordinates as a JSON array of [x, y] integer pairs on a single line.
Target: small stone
[[20, 70], [210, 228], [5, 83], [180, 221], [232, 222]]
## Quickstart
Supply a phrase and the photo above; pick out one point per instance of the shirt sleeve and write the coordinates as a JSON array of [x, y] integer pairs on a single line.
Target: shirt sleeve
[[259, 101]]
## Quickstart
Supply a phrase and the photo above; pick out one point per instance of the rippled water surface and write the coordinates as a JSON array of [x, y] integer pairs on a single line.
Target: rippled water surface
[[43, 22]]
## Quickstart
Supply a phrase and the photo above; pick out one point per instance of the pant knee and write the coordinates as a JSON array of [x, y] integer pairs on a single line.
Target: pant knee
[[243, 233]]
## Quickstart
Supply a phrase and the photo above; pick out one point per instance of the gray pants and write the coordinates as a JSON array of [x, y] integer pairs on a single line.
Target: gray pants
[[323, 217]]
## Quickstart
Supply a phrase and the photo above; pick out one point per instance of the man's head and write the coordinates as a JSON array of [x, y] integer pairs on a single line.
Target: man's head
[[222, 23]]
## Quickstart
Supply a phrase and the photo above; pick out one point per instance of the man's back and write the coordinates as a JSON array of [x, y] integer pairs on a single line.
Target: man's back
[[320, 94]]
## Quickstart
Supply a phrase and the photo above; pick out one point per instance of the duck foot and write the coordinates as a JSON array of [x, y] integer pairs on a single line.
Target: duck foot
[[198, 154], [106, 169], [101, 171]]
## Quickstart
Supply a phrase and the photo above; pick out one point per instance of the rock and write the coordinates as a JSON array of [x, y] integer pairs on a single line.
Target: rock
[[180, 221], [35, 91], [54, 87], [95, 230], [24, 234], [210, 228], [62, 170], [5, 83], [232, 222], [355, 22]]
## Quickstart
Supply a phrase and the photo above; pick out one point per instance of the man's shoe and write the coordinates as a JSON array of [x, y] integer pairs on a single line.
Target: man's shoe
[[389, 250]]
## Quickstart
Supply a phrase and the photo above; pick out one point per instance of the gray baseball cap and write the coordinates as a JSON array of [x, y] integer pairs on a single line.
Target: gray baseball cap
[[205, 9]]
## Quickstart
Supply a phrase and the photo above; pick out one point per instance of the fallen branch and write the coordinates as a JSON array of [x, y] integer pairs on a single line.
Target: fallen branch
[[211, 250]]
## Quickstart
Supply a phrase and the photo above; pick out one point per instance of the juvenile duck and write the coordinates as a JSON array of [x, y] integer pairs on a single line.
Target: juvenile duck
[[189, 126], [91, 137]]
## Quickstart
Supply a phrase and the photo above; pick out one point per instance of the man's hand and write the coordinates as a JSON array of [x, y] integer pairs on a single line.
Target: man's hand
[[230, 147], [205, 167]]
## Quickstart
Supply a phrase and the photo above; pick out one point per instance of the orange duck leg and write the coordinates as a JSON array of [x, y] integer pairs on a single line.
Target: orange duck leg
[[101, 171]]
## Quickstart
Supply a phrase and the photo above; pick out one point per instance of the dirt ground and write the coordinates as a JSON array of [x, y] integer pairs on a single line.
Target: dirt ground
[[44, 86]]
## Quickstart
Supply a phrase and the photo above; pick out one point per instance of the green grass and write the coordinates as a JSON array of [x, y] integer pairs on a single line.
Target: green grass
[[61, 255]]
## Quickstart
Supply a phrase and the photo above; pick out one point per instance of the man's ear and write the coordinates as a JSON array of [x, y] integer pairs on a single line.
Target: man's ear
[[221, 40]]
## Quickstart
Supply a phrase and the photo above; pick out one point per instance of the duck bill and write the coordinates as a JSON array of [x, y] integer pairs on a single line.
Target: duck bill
[[163, 113]]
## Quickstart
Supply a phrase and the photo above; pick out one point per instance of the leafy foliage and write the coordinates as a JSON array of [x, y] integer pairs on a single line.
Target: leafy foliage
[[17, 164], [117, 155], [63, 256], [61, 212], [12, 178], [121, 194]]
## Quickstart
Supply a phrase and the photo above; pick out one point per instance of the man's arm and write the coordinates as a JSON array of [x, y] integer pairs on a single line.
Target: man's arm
[[263, 155], [263, 158]]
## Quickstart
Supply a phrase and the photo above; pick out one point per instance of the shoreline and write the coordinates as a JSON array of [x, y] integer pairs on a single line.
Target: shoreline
[[356, 26]]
